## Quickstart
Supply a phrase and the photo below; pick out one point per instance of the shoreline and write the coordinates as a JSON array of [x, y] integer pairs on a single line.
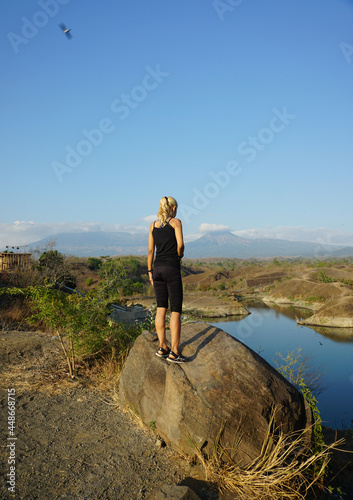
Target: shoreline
[[319, 320], [200, 305], [205, 305]]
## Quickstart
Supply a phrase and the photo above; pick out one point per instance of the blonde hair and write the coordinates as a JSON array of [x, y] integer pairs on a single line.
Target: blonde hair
[[166, 206]]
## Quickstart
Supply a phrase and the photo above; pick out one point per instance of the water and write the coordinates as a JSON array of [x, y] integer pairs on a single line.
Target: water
[[269, 331]]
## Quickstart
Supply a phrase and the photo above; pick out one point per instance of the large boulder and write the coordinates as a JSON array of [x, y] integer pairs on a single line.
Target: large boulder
[[224, 382]]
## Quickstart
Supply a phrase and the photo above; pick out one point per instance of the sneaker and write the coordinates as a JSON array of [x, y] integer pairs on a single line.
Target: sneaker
[[177, 358]]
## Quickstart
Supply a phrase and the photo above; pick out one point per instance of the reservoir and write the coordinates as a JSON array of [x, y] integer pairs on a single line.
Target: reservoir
[[329, 354]]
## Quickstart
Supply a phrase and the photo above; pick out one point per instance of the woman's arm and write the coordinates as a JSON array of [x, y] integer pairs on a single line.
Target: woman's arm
[[176, 224], [150, 252]]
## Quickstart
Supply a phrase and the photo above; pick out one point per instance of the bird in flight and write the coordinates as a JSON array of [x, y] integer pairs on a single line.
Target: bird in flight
[[66, 30]]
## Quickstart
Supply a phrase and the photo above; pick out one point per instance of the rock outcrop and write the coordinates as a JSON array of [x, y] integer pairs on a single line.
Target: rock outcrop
[[331, 302], [217, 311], [328, 321], [336, 313], [224, 383]]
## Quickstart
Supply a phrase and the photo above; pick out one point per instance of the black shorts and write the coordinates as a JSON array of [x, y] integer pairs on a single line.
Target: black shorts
[[167, 285]]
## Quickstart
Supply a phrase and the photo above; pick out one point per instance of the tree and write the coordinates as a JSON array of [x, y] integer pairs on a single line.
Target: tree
[[53, 266]]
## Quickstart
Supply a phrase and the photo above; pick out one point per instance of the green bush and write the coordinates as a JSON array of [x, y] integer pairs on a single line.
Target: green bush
[[94, 263], [123, 275], [346, 281], [82, 324], [324, 278], [51, 259], [296, 368], [313, 298], [53, 266]]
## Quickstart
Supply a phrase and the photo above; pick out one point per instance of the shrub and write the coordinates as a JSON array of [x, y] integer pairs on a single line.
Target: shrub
[[54, 267], [82, 324], [94, 263], [346, 281], [122, 274], [24, 276], [324, 278], [296, 366], [51, 259], [314, 298]]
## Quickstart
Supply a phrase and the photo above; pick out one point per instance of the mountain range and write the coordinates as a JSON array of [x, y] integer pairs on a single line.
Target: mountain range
[[227, 244], [97, 243], [215, 244]]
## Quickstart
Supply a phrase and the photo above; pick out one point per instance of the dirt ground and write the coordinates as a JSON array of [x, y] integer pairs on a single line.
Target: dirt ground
[[72, 442]]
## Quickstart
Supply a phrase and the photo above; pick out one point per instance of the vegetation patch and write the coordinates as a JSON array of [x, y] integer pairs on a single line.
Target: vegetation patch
[[287, 467], [93, 345]]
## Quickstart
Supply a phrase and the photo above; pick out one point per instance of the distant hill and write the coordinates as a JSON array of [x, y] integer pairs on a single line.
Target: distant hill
[[215, 244], [227, 244], [97, 243], [343, 252]]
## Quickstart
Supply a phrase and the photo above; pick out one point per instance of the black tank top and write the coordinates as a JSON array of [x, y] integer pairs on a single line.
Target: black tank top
[[166, 246]]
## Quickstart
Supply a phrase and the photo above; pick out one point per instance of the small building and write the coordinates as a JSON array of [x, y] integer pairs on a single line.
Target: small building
[[10, 261]]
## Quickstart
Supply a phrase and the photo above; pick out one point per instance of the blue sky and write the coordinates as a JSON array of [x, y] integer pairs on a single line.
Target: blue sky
[[240, 109]]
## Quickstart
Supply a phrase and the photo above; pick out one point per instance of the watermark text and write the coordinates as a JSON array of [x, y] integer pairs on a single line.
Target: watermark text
[[11, 440], [31, 27], [250, 148], [122, 108], [223, 7]]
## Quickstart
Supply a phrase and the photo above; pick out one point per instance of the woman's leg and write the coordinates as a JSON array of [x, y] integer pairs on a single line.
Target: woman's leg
[[161, 291], [175, 328], [175, 291], [160, 326]]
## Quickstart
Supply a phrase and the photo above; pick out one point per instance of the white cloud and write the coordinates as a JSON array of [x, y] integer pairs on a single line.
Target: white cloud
[[21, 233], [191, 237], [208, 228], [149, 218]]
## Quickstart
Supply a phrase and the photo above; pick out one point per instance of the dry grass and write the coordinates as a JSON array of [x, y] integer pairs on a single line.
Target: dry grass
[[45, 373], [46, 370], [50, 375], [14, 316], [284, 469], [105, 373]]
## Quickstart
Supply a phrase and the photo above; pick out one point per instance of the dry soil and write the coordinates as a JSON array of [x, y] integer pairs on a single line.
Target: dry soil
[[72, 442]]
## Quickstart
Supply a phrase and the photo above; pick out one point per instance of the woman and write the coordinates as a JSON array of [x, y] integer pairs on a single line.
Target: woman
[[166, 235]]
